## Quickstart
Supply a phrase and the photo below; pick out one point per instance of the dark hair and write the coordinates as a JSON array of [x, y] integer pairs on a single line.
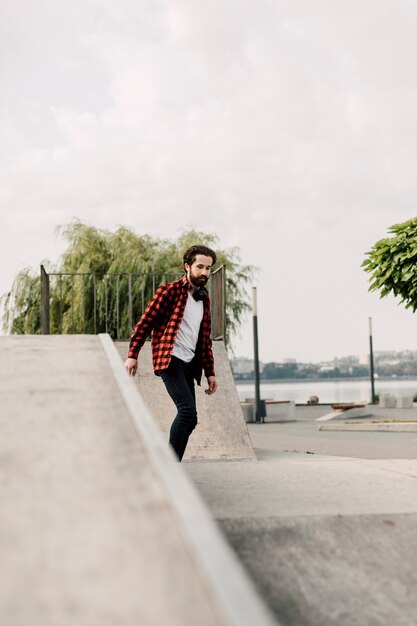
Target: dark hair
[[191, 253]]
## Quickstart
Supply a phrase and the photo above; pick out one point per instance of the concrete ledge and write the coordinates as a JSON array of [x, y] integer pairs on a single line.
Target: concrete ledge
[[343, 414], [276, 411], [395, 427], [280, 411], [221, 432], [389, 401], [405, 402]]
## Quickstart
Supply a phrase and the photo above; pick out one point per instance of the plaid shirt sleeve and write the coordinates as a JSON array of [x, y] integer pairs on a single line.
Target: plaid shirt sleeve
[[207, 353], [144, 327]]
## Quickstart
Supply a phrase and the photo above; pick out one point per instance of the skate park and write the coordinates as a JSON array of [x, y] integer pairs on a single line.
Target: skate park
[[281, 136], [262, 523]]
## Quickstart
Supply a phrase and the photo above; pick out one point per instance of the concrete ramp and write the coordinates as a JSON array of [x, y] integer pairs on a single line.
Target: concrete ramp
[[222, 432], [99, 525]]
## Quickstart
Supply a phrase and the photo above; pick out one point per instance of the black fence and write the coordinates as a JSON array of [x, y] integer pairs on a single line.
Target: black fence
[[86, 303]]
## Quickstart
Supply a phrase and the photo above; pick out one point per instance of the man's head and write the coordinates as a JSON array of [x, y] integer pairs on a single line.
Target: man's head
[[198, 261]]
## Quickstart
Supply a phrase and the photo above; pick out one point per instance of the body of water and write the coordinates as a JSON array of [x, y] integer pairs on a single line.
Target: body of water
[[328, 391]]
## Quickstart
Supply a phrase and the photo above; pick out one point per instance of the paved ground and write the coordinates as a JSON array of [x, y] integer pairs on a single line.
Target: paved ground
[[303, 436], [326, 522]]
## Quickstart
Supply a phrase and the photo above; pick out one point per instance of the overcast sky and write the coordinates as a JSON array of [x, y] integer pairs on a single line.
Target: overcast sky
[[288, 128]]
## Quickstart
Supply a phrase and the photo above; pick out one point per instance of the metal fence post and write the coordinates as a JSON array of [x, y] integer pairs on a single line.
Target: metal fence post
[[259, 413], [130, 303], [371, 363], [223, 303], [45, 317], [95, 303], [117, 306], [218, 304]]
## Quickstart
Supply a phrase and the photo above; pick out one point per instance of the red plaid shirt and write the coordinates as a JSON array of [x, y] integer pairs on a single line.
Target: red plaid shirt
[[162, 318]]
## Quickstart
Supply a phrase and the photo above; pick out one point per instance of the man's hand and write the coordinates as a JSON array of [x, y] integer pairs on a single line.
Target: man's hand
[[132, 366], [212, 385]]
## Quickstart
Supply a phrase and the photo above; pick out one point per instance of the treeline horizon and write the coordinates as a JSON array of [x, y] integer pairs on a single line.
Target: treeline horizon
[[293, 371]]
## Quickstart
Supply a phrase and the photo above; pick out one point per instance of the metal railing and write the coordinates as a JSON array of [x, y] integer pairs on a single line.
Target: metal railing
[[91, 303]]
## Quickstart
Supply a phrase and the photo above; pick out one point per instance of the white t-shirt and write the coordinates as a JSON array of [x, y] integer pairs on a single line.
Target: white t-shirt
[[187, 336]]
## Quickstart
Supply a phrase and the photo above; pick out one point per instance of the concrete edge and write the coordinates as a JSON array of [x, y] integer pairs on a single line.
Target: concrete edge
[[354, 413], [385, 427], [230, 586]]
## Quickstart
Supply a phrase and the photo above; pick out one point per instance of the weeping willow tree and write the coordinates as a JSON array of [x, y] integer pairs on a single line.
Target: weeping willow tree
[[98, 270], [392, 264]]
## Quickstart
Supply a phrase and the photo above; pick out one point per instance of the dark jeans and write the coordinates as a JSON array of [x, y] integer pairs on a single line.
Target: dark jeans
[[179, 382]]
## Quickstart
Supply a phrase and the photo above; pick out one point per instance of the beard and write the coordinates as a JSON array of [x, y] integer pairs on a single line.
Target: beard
[[197, 281]]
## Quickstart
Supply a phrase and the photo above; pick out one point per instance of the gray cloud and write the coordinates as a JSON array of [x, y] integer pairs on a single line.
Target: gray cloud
[[287, 128]]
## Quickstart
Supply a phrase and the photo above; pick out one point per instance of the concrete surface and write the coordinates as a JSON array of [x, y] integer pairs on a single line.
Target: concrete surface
[[398, 427], [93, 530], [90, 533], [303, 436], [332, 570], [328, 539], [306, 485], [375, 419], [222, 432]]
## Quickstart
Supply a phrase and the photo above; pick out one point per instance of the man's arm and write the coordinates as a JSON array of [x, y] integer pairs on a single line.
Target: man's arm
[[144, 327]]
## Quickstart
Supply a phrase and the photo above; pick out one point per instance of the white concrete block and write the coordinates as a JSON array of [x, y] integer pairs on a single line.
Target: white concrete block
[[405, 402], [387, 401], [248, 409], [280, 411]]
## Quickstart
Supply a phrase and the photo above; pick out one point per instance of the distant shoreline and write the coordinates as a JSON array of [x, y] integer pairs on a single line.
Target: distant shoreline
[[274, 381]]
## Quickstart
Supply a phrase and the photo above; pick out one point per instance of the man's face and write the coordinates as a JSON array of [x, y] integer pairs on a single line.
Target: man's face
[[198, 273]]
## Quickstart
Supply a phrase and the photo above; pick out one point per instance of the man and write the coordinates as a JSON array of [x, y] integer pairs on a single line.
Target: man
[[178, 317]]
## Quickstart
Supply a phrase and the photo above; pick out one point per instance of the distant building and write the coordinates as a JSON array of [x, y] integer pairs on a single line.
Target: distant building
[[363, 359], [387, 364], [327, 367], [243, 367]]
